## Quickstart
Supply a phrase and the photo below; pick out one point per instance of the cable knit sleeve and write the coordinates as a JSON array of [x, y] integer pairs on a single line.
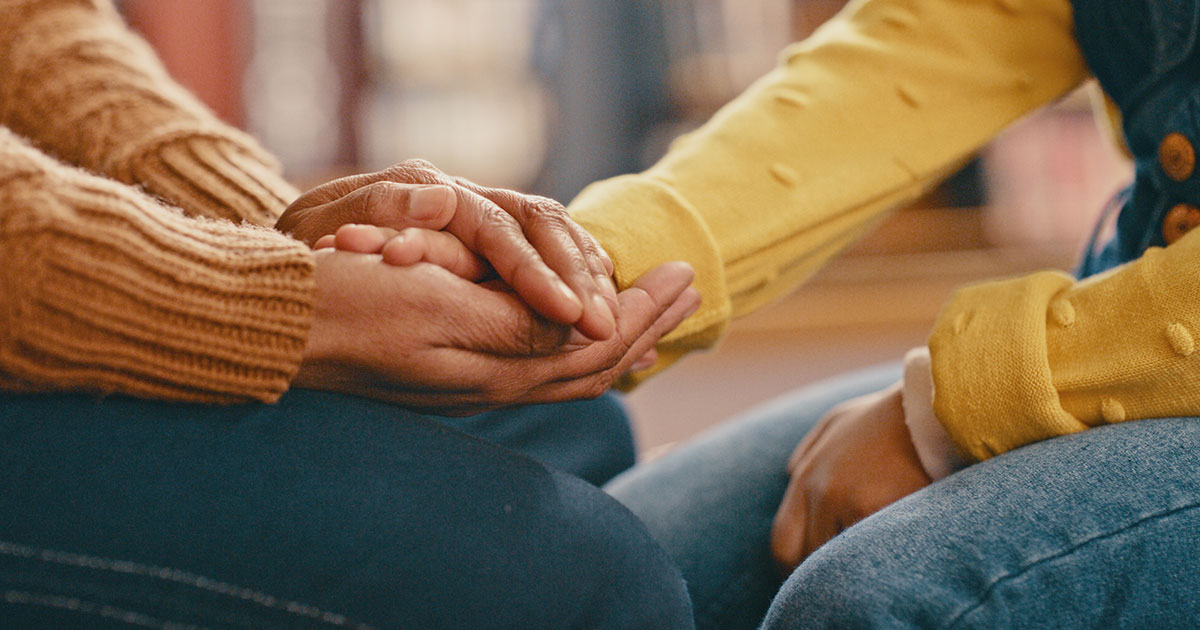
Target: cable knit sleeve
[[861, 118], [104, 289], [82, 87]]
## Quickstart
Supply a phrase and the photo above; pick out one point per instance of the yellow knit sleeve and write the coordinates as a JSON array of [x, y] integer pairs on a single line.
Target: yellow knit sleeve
[[80, 85], [1036, 357], [859, 119]]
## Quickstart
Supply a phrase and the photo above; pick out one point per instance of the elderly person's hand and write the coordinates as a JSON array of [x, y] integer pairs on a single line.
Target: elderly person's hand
[[552, 263], [425, 338], [416, 245], [857, 460]]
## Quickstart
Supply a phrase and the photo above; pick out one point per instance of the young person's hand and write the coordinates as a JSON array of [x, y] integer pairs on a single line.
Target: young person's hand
[[430, 340], [858, 459], [552, 263], [410, 246]]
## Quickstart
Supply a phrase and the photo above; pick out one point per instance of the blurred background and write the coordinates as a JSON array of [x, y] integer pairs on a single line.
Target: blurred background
[[546, 96]]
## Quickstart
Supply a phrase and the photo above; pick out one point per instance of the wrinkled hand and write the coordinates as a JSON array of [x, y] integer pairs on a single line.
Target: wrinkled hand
[[552, 263], [416, 245], [857, 460], [427, 339]]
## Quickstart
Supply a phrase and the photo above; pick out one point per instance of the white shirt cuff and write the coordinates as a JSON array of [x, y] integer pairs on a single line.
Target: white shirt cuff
[[937, 452]]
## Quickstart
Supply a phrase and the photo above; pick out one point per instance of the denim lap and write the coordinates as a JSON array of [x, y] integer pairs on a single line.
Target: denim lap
[[321, 511], [1095, 529]]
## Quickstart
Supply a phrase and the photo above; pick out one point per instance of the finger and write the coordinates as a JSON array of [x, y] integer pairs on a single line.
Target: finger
[[411, 246], [495, 234], [592, 250], [811, 439], [643, 310], [824, 519], [646, 362], [787, 530], [561, 291], [596, 259], [325, 242], [362, 239], [490, 322], [662, 297], [385, 204], [574, 257], [595, 383]]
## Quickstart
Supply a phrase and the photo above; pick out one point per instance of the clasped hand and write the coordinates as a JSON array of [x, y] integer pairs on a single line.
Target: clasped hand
[[511, 304]]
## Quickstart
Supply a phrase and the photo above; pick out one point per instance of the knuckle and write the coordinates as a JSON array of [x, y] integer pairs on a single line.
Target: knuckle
[[602, 383], [413, 172], [418, 164], [546, 205], [377, 195]]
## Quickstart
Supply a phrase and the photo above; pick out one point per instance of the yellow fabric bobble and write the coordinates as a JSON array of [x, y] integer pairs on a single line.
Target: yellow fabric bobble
[[909, 95], [784, 174], [1062, 313], [1181, 340], [1112, 410], [792, 99]]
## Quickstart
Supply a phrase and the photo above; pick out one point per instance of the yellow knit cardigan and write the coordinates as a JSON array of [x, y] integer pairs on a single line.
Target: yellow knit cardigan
[[861, 118]]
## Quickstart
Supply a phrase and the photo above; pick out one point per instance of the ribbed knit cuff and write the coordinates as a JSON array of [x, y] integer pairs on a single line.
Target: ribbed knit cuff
[[106, 290], [212, 176], [82, 87]]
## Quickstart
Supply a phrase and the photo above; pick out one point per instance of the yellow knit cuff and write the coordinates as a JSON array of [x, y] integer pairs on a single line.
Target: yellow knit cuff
[[993, 389], [642, 223]]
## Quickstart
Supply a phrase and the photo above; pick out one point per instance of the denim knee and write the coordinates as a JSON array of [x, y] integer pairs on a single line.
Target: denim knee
[[1091, 530], [591, 439]]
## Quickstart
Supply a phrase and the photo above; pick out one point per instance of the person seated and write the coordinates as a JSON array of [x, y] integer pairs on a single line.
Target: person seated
[[205, 423]]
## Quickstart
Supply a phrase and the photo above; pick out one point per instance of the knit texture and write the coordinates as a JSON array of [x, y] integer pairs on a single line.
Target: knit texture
[[77, 83], [105, 288], [861, 118]]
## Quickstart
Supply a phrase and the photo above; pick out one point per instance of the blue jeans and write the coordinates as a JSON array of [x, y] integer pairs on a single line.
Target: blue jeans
[[322, 511], [1097, 529]]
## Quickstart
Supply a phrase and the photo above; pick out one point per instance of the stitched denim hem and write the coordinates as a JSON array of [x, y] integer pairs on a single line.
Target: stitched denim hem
[[110, 588]]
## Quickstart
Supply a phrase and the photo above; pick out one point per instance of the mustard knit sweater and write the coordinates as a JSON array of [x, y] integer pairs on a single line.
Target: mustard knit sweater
[[862, 118], [135, 226]]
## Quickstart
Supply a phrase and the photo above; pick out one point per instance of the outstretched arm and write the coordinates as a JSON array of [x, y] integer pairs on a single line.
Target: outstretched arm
[[861, 118]]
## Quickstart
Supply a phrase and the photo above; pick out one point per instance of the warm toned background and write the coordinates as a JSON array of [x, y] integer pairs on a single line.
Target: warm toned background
[[546, 96]]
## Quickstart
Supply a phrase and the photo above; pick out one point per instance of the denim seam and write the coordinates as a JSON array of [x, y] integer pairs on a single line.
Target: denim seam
[[987, 592], [84, 607], [91, 589], [178, 576]]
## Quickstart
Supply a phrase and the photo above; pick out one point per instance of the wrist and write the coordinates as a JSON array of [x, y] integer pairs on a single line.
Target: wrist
[[937, 452]]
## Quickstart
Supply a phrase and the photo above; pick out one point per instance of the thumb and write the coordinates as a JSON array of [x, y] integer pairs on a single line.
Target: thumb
[[383, 204], [398, 206]]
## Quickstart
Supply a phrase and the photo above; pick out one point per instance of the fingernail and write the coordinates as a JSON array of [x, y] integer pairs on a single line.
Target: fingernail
[[608, 262], [646, 362], [568, 293], [689, 292], [608, 290], [427, 202]]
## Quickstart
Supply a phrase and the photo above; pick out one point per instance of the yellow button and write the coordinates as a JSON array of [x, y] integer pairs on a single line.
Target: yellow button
[[1180, 220], [1177, 156]]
